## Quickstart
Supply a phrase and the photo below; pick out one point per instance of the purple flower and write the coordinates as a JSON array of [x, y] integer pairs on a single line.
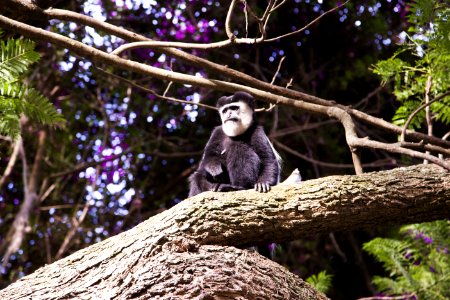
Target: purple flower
[[427, 240]]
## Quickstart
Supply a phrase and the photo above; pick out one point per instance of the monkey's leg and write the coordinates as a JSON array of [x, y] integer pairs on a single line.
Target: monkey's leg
[[198, 183]]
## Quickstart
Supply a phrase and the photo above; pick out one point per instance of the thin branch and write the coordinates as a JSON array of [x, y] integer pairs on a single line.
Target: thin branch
[[20, 226], [164, 44], [153, 92], [272, 106], [375, 164], [245, 17], [425, 147], [278, 69], [277, 6], [354, 142], [417, 110], [11, 162], [228, 31], [307, 25], [444, 138], [232, 38], [84, 166]]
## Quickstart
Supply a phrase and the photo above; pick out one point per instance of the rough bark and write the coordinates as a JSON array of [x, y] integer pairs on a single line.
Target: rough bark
[[184, 253]]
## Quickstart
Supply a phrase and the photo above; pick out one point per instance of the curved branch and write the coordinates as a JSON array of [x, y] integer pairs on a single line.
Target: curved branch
[[153, 92], [307, 25], [228, 31], [417, 110], [380, 163]]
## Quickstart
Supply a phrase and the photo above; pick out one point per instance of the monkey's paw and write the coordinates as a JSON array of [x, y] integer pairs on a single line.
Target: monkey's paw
[[262, 187]]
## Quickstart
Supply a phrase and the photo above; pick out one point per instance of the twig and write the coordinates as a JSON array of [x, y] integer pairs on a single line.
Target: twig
[[307, 25], [327, 164], [232, 38], [416, 111], [152, 91], [444, 138], [11, 162], [278, 69], [228, 31]]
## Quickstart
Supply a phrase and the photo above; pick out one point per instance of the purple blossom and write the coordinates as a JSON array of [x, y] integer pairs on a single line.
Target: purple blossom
[[427, 240]]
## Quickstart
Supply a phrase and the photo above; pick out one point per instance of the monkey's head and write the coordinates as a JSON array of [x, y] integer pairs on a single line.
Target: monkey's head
[[236, 113]]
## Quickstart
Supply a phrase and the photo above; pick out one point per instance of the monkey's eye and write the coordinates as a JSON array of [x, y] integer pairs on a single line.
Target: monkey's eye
[[230, 107]]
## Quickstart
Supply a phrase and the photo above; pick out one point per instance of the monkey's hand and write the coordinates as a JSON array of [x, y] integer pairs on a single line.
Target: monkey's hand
[[262, 187], [215, 169]]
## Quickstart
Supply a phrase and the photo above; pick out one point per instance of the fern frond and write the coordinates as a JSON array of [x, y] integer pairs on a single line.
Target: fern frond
[[321, 281], [15, 57], [17, 99], [10, 125], [39, 108], [392, 253]]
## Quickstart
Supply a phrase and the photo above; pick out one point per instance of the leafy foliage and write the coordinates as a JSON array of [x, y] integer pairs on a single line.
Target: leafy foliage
[[418, 264], [321, 281], [423, 68], [16, 55]]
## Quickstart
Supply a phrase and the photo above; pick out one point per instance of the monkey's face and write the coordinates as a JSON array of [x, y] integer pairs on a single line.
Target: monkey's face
[[236, 118]]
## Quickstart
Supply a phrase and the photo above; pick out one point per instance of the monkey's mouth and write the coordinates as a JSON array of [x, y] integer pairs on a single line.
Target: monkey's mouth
[[232, 120]]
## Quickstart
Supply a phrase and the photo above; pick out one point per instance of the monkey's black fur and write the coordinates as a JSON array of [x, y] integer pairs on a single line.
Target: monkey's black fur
[[238, 96], [235, 163]]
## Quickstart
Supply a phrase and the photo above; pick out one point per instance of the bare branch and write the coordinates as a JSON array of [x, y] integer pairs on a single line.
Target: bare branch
[[153, 92], [307, 25], [11, 162], [328, 164], [228, 31], [417, 110]]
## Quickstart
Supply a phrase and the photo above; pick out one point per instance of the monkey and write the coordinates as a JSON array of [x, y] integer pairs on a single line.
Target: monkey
[[238, 154]]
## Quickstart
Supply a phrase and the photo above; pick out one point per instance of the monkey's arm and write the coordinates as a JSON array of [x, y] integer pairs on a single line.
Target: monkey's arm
[[211, 161], [270, 169]]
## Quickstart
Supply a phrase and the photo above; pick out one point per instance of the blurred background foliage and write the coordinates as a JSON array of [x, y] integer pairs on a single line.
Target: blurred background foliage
[[125, 155]]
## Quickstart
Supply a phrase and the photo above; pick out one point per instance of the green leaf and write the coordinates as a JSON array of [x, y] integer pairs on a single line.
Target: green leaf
[[10, 125], [16, 98], [322, 281], [389, 68], [16, 55]]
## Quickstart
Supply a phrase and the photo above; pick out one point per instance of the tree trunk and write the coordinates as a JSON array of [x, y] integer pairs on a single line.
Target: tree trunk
[[184, 252]]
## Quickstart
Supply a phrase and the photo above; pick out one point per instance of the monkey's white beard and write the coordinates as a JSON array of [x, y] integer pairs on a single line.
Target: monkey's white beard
[[234, 128]]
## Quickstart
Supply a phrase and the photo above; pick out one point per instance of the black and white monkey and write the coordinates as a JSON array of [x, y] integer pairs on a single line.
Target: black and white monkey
[[238, 154]]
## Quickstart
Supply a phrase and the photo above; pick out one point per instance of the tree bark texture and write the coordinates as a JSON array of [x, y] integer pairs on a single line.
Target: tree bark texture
[[184, 253]]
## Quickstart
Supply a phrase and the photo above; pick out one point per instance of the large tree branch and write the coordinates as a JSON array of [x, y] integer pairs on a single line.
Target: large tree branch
[[168, 255]]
